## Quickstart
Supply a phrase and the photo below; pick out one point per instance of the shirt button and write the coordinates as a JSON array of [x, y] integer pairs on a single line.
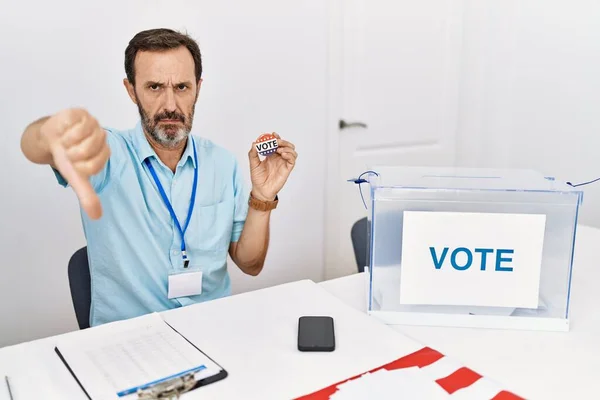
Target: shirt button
[[175, 252]]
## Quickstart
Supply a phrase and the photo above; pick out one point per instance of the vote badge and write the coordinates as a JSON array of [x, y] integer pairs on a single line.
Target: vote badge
[[266, 144]]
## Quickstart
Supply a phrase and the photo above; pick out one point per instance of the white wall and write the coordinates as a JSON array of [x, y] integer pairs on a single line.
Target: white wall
[[264, 70], [529, 95], [530, 90]]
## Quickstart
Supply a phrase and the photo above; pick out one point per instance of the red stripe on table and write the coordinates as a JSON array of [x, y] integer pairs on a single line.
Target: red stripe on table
[[420, 358], [461, 378], [504, 395]]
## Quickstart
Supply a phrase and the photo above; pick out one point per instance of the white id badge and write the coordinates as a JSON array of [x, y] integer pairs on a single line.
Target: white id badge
[[185, 284]]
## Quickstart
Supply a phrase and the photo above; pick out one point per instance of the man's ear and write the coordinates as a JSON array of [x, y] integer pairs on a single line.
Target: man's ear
[[130, 90], [198, 88]]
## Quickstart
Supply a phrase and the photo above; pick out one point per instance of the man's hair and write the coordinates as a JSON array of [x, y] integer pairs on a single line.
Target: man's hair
[[161, 39]]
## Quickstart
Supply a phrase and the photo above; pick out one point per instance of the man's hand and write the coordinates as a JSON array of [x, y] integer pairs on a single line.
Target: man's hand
[[79, 150], [269, 176]]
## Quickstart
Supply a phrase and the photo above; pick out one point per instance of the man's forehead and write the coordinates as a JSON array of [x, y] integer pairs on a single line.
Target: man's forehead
[[168, 64]]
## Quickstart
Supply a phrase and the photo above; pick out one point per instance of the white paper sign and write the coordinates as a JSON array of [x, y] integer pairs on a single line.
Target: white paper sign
[[471, 259]]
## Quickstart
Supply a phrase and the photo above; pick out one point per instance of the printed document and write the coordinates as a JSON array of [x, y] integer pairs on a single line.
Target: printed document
[[114, 360]]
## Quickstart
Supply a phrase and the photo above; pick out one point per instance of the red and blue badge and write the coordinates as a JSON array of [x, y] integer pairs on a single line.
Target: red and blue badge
[[266, 144]]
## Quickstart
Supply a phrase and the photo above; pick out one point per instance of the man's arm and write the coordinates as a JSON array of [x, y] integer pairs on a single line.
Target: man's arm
[[268, 177], [250, 251]]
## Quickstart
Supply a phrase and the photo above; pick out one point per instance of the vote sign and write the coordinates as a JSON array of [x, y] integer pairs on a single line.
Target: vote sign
[[266, 144], [471, 259]]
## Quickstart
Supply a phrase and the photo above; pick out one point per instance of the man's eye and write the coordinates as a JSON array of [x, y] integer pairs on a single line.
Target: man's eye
[[181, 86], [154, 87]]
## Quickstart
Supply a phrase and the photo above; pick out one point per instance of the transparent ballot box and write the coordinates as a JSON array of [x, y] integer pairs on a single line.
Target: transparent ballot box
[[470, 247]]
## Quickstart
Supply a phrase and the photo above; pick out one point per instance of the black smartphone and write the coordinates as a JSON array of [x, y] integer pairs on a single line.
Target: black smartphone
[[316, 333]]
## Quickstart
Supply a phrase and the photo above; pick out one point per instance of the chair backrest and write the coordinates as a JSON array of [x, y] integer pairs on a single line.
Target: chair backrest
[[79, 282], [360, 241]]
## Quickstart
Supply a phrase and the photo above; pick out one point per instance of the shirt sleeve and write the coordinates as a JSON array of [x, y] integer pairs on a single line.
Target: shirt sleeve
[[241, 195], [99, 180]]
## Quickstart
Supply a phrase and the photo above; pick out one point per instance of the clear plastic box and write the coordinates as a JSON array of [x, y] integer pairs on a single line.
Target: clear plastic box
[[397, 190]]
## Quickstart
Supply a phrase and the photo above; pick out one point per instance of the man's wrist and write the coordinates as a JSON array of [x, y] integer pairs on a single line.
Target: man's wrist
[[261, 197], [261, 203]]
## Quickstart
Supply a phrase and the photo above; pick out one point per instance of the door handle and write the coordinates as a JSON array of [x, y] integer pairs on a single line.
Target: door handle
[[344, 124]]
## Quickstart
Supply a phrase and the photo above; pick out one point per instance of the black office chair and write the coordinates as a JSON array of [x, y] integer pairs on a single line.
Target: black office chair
[[80, 284], [360, 235]]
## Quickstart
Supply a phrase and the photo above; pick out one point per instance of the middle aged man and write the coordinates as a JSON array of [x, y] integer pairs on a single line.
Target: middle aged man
[[162, 208]]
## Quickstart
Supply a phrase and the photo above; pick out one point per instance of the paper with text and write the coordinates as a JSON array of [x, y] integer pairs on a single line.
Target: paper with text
[[471, 259], [111, 361]]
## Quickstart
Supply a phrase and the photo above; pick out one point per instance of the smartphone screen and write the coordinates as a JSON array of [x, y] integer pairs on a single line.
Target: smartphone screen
[[316, 333]]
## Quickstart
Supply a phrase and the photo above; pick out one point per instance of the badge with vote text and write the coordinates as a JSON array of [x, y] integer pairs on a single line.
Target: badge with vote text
[[266, 144], [471, 259]]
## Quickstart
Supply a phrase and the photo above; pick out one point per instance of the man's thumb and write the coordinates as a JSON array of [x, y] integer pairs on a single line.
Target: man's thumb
[[88, 199]]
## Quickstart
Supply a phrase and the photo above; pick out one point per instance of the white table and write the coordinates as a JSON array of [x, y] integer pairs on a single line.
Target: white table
[[260, 326], [252, 335], [538, 365]]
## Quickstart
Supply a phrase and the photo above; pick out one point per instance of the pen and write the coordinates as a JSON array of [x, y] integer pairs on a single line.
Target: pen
[[8, 386]]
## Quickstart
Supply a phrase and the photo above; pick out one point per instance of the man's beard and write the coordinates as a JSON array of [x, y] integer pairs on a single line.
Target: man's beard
[[167, 135]]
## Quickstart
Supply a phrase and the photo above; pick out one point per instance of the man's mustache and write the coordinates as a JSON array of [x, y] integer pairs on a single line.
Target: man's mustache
[[172, 115]]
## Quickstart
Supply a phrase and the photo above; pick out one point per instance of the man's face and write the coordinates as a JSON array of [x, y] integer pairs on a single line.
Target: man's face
[[165, 92]]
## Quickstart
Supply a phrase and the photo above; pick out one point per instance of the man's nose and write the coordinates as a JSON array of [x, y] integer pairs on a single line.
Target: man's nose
[[169, 100]]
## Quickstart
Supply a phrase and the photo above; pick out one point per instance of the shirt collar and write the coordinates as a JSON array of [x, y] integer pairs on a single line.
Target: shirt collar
[[145, 151]]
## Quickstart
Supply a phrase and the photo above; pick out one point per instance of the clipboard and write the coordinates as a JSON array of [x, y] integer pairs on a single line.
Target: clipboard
[[170, 387]]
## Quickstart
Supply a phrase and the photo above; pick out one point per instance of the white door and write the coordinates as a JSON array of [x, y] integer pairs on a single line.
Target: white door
[[395, 68]]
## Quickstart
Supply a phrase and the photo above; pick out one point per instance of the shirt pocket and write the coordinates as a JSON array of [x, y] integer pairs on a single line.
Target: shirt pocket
[[210, 228]]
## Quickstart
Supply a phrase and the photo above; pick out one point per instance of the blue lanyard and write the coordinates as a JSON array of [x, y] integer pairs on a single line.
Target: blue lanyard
[[186, 260]]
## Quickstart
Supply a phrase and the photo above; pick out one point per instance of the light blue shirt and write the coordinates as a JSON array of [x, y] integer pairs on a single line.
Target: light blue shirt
[[134, 247]]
